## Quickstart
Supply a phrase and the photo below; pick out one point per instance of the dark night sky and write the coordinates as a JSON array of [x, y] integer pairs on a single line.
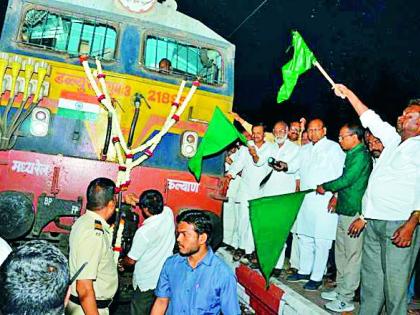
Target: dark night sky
[[373, 46]]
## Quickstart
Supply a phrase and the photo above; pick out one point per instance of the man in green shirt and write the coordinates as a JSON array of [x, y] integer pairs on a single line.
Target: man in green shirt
[[350, 187]]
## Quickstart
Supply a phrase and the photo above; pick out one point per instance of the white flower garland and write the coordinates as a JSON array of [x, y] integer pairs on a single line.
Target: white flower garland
[[124, 154]]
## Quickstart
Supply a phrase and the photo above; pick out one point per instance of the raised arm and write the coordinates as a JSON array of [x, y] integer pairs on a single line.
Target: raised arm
[[246, 125], [357, 104], [369, 119], [268, 136]]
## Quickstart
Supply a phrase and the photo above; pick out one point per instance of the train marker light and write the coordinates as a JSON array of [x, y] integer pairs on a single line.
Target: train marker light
[[40, 122], [189, 144]]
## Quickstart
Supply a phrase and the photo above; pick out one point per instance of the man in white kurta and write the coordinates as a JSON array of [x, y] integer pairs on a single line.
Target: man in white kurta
[[282, 181], [252, 161], [322, 160], [230, 207]]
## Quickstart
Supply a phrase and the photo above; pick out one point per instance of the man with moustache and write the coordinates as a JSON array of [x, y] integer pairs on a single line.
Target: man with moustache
[[321, 161], [252, 162], [295, 134], [153, 243], [390, 209], [195, 281], [91, 244], [282, 178], [350, 187], [294, 131], [231, 206], [374, 145]]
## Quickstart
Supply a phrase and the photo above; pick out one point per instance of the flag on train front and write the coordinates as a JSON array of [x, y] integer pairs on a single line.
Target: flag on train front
[[272, 219], [220, 133], [303, 59]]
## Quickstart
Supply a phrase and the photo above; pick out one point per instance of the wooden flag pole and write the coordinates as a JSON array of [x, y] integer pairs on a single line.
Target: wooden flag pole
[[325, 74]]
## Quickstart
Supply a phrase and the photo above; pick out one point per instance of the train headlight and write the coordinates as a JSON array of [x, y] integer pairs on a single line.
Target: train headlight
[[189, 144], [40, 122]]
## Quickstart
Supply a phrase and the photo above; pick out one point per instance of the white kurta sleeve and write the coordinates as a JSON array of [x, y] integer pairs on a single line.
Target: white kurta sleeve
[[238, 164], [293, 161], [264, 153], [379, 128]]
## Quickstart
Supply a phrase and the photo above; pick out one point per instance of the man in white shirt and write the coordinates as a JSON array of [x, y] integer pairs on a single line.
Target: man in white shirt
[[252, 161], [296, 131], [391, 242], [295, 135], [282, 179], [230, 212], [321, 160], [153, 243]]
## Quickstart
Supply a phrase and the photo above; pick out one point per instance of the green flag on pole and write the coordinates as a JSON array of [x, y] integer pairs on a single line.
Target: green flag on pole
[[272, 219], [220, 133], [303, 59]]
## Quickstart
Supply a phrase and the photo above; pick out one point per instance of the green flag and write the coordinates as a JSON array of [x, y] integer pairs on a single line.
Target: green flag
[[303, 59], [272, 219], [220, 133]]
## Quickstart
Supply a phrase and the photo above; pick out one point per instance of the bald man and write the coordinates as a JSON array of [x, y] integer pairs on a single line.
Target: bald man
[[321, 160]]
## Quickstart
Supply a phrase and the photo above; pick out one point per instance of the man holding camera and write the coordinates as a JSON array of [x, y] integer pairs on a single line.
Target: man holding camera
[[284, 162]]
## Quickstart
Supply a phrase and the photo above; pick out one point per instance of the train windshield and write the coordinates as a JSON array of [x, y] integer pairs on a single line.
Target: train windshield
[[68, 34], [184, 59]]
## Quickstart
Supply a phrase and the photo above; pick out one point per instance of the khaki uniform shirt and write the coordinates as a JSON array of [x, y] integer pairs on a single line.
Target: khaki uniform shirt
[[91, 242]]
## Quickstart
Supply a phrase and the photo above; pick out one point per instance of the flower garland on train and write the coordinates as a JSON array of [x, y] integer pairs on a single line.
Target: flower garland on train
[[125, 155]]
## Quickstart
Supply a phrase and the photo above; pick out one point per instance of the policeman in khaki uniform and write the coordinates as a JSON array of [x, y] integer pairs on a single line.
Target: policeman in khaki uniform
[[91, 245]]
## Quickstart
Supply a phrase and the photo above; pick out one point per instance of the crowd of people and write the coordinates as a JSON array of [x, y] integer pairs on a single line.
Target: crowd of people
[[35, 278], [365, 201]]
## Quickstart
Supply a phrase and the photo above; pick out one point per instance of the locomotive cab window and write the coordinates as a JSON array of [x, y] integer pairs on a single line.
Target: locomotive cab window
[[68, 34], [171, 57]]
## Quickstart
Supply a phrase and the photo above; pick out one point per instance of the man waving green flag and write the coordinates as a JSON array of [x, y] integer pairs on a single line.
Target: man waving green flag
[[272, 219], [220, 133], [302, 60]]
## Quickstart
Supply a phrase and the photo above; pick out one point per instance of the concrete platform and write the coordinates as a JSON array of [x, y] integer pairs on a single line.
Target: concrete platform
[[281, 298]]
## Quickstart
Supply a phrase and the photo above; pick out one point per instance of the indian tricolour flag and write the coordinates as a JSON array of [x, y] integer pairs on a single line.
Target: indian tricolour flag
[[78, 106]]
